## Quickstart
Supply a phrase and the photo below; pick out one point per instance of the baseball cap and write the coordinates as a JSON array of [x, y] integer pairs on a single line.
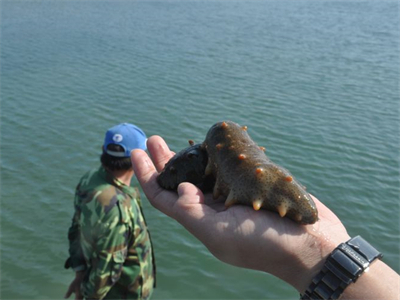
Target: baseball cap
[[128, 136]]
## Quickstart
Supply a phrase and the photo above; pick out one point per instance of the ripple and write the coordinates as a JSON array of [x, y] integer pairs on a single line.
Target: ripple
[[322, 99]]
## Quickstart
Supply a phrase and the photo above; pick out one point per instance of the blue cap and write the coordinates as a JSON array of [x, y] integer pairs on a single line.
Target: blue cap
[[128, 136]]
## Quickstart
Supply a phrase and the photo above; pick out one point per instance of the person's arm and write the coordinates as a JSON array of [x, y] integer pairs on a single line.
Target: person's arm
[[258, 240], [380, 282], [110, 236], [76, 260]]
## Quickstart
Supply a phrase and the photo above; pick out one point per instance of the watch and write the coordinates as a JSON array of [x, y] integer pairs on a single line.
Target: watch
[[343, 266]]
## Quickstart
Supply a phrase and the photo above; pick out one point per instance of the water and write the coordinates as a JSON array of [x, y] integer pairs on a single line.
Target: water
[[316, 82]]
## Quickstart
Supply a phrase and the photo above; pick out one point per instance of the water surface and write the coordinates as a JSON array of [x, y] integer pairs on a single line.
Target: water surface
[[316, 82]]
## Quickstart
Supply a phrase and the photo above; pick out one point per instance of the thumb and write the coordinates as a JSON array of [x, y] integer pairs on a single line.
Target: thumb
[[189, 208], [190, 194]]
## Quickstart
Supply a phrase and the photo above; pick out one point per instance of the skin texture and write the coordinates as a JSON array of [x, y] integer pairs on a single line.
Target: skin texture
[[243, 174]]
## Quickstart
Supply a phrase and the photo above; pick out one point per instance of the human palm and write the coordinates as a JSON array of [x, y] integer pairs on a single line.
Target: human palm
[[239, 235]]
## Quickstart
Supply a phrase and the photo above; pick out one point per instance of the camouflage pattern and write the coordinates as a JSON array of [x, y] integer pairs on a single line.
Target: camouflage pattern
[[109, 239]]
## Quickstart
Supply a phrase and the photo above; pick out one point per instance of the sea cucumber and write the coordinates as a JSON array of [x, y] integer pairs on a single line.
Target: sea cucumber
[[188, 165], [238, 169]]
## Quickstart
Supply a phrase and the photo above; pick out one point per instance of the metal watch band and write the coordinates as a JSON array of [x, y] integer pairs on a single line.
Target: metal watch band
[[343, 266]]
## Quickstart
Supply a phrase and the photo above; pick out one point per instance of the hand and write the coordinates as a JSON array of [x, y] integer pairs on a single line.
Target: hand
[[75, 286], [239, 235]]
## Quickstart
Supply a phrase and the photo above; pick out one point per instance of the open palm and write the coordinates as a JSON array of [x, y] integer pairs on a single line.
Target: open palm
[[240, 236]]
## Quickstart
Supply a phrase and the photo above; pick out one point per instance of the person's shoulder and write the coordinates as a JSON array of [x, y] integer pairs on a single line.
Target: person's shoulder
[[85, 188], [109, 198], [88, 180]]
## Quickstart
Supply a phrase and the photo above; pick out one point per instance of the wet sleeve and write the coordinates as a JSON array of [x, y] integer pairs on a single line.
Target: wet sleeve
[[76, 259], [111, 245]]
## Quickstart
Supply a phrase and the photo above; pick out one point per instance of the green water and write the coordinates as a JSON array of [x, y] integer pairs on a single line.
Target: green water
[[316, 82]]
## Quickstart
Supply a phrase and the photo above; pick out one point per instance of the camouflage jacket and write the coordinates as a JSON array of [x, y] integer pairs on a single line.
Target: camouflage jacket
[[109, 239]]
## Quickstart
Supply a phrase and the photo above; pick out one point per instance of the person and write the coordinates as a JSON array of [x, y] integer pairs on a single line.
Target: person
[[109, 243], [259, 240]]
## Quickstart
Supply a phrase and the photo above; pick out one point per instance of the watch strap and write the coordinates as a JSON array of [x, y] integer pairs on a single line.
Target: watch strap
[[343, 266]]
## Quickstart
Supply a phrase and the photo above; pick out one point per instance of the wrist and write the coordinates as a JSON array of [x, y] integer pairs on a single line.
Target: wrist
[[310, 259], [344, 266]]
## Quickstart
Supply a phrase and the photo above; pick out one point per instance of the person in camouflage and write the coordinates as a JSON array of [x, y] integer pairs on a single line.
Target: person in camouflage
[[109, 243]]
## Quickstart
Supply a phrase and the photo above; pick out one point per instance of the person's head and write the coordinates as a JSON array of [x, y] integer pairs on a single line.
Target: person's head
[[119, 141]]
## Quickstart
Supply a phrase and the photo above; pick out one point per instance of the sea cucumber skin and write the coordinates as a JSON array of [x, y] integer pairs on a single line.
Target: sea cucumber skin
[[187, 166], [245, 175]]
